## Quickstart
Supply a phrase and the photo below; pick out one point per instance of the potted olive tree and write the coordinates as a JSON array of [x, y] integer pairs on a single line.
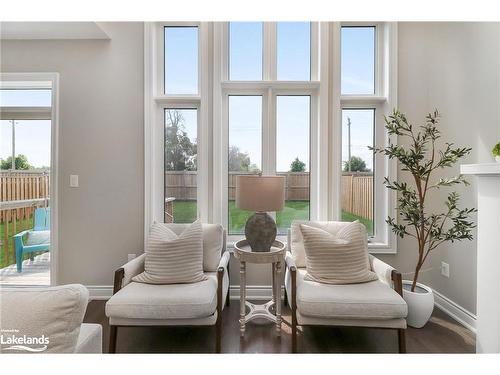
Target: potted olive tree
[[422, 157]]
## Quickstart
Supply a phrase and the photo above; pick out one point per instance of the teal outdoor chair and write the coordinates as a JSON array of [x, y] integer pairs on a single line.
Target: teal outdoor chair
[[38, 237]]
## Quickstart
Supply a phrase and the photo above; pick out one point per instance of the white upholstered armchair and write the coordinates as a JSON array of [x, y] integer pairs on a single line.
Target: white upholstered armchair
[[53, 312], [377, 304], [195, 304]]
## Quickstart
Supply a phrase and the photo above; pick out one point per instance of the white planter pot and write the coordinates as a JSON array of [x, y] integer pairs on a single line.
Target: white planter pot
[[497, 158], [420, 304]]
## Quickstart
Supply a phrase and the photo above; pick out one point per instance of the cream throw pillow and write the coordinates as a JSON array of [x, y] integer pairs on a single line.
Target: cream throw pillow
[[339, 259], [172, 259]]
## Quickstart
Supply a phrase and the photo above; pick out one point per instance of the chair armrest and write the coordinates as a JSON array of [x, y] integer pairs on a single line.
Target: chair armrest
[[290, 263], [21, 234], [18, 239], [125, 273], [224, 260], [221, 268], [387, 274], [382, 269]]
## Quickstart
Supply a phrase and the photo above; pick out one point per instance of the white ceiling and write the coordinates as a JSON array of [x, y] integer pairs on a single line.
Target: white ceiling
[[51, 30]]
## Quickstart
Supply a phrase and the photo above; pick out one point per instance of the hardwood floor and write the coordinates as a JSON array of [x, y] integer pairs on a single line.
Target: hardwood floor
[[440, 335]]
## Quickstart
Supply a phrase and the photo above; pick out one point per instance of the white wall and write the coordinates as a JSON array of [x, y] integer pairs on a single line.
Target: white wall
[[454, 67], [101, 139]]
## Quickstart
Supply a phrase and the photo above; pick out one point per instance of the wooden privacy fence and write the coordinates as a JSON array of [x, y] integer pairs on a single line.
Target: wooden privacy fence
[[357, 194], [20, 193], [357, 189]]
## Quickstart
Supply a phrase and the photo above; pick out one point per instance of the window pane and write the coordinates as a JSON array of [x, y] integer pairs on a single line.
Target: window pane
[[181, 129], [25, 98], [357, 164], [294, 51], [181, 60], [358, 60], [32, 144], [292, 157], [245, 51], [245, 151]]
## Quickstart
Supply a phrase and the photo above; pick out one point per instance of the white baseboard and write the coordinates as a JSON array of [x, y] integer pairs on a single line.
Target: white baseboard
[[100, 292], [455, 311], [255, 292]]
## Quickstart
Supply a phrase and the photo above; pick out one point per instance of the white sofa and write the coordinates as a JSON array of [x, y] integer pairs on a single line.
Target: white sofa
[[54, 314], [196, 304], [377, 304]]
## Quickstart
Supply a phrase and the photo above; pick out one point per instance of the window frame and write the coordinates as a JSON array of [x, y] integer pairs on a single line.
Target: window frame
[[48, 80], [155, 104], [325, 111], [382, 101]]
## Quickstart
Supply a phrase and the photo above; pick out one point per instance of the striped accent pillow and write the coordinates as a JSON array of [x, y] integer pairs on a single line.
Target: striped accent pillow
[[339, 259], [172, 259]]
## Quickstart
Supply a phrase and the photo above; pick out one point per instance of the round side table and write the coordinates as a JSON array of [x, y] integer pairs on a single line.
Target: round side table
[[275, 256]]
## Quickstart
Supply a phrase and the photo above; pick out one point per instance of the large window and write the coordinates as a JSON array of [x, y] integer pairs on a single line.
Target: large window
[[300, 99], [363, 197], [178, 113], [268, 130]]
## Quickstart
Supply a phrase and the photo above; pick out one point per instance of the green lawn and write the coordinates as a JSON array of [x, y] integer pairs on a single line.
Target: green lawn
[[27, 223], [185, 212], [347, 216]]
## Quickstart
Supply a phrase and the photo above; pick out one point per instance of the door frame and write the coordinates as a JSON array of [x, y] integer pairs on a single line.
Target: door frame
[[53, 80]]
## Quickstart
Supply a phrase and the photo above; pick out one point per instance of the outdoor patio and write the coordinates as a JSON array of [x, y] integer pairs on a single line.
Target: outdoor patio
[[36, 272]]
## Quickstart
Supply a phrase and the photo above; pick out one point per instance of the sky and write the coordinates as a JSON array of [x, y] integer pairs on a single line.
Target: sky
[[181, 60], [32, 136]]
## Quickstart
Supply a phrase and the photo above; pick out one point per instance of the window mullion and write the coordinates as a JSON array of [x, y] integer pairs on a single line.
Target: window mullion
[[315, 48], [269, 55], [267, 138]]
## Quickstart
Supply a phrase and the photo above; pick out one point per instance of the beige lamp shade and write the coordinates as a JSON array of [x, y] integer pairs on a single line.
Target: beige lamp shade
[[260, 193]]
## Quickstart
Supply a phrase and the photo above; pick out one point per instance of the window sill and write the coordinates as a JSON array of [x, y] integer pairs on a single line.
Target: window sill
[[373, 248]]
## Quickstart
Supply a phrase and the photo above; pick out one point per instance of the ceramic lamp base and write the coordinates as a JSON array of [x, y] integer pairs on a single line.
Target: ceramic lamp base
[[260, 231]]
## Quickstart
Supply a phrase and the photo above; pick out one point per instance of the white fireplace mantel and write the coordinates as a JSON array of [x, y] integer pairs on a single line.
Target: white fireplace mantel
[[486, 169], [488, 255]]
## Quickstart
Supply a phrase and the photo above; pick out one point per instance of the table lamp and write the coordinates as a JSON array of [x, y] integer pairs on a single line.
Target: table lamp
[[261, 194]]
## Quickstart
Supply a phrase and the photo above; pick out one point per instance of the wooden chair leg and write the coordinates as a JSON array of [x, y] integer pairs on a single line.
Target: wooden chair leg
[[227, 297], [113, 332], [402, 340], [294, 336], [218, 335]]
